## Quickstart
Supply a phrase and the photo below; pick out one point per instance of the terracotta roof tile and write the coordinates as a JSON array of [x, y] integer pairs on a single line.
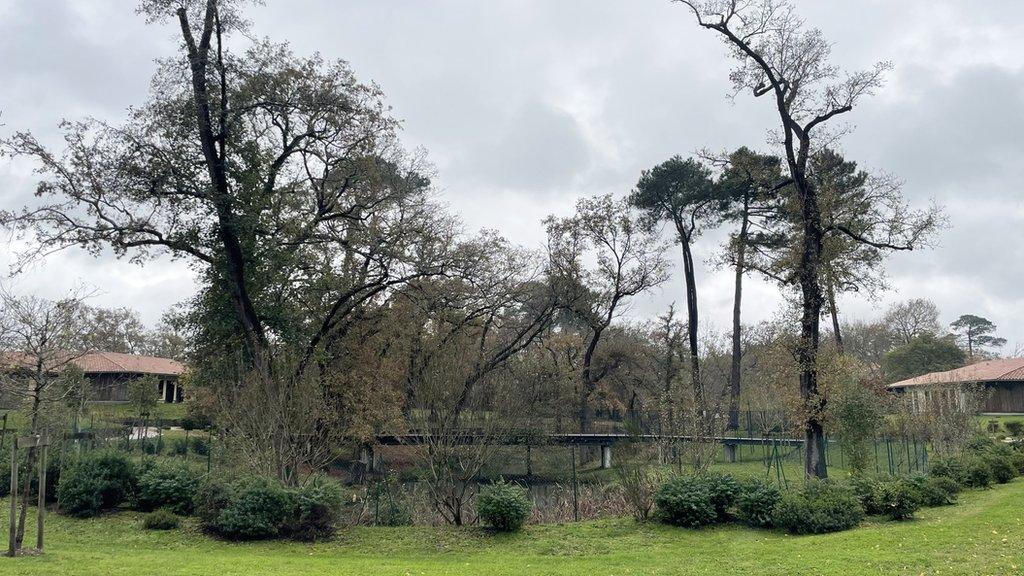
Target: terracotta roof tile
[[102, 362], [96, 362], [1002, 369]]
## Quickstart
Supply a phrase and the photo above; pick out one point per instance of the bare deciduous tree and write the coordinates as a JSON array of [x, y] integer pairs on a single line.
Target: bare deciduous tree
[[778, 56], [629, 260], [39, 341]]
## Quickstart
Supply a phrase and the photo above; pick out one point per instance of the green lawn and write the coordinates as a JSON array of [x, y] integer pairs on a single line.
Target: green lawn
[[984, 534]]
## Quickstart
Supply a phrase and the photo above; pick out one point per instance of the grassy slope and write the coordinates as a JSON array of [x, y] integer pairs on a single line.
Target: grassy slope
[[982, 535]]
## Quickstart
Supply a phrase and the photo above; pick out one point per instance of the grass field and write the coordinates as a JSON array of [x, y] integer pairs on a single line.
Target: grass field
[[984, 534]]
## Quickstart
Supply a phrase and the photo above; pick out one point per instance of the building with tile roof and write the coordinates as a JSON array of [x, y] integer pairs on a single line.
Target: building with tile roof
[[1002, 378], [110, 373]]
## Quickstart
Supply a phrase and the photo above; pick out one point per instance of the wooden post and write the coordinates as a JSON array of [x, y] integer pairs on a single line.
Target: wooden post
[[42, 493], [575, 489], [11, 549]]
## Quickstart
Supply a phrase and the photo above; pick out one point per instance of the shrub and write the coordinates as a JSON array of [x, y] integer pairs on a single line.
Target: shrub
[[79, 492], [898, 499], [1002, 465], [685, 501], [977, 472], [819, 508], [213, 495], [935, 490], [504, 506], [200, 446], [723, 489], [153, 447], [868, 492], [119, 476], [53, 470], [178, 447], [170, 486], [318, 509], [1018, 460], [162, 519], [755, 503], [97, 482], [948, 468], [1015, 428], [254, 509]]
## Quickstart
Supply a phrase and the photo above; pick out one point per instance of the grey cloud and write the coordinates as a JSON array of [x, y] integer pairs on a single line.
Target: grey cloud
[[524, 105]]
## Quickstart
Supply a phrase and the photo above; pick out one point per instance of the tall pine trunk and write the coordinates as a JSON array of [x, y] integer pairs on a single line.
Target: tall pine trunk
[[736, 373], [692, 321]]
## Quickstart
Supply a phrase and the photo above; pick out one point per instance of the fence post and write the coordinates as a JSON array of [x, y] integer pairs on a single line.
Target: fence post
[[12, 544], [575, 488]]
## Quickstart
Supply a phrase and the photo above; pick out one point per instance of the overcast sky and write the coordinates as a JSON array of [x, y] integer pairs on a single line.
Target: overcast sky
[[526, 105]]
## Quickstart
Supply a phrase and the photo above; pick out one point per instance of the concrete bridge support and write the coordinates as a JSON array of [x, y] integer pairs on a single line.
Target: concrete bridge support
[[369, 458], [606, 456], [730, 452]]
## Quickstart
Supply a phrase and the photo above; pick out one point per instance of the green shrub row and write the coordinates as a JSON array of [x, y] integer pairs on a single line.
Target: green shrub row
[[823, 506], [242, 509], [254, 508], [983, 463]]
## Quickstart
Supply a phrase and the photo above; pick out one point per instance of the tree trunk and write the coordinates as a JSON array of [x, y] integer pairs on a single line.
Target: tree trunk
[[227, 225], [30, 459], [736, 373], [587, 383], [807, 353], [833, 311], [692, 320]]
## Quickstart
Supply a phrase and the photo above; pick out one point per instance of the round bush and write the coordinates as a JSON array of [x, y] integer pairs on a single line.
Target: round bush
[[119, 476], [898, 499], [170, 486], [977, 473], [162, 519], [319, 506], [256, 509], [948, 468], [1002, 465], [178, 447], [213, 495], [200, 446], [53, 470], [724, 489], [936, 490], [97, 482], [819, 508], [79, 492], [869, 492], [755, 503], [685, 501], [504, 506]]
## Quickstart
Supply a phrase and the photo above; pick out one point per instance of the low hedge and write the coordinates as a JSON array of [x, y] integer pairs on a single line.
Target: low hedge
[[818, 508], [97, 482], [756, 502], [162, 519], [168, 485], [255, 508], [685, 501]]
